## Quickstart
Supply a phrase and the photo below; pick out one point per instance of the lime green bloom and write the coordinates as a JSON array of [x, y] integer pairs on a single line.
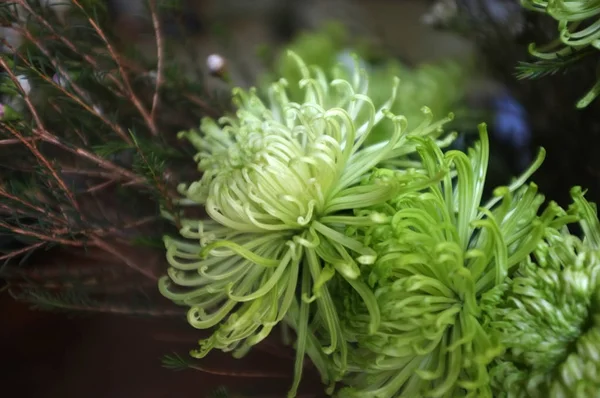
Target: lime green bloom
[[439, 257], [548, 317], [439, 86], [281, 181], [579, 32]]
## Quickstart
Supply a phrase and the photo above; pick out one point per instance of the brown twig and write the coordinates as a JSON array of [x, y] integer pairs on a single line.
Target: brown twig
[[31, 146], [112, 172], [116, 231], [117, 58], [203, 104], [105, 164], [9, 211], [44, 237], [98, 187], [77, 131], [13, 141], [102, 244], [38, 209], [159, 59], [54, 34], [81, 94], [24, 250], [89, 173], [232, 373], [62, 38]]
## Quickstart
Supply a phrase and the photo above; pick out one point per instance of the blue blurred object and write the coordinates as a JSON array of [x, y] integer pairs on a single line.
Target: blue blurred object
[[511, 126], [510, 121]]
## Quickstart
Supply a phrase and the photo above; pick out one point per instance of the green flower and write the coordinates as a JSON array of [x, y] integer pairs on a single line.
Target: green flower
[[439, 258], [439, 86], [548, 317], [281, 182], [579, 33]]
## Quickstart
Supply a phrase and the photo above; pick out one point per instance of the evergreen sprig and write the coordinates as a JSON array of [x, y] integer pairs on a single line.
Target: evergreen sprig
[[79, 301], [175, 362], [548, 67], [87, 144], [577, 22]]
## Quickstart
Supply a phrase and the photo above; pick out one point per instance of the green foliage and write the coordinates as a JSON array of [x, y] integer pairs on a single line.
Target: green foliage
[[549, 67], [578, 22], [73, 301], [175, 362], [220, 392]]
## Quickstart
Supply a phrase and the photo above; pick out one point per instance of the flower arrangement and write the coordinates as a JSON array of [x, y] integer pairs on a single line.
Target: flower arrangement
[[281, 182], [333, 209], [397, 279]]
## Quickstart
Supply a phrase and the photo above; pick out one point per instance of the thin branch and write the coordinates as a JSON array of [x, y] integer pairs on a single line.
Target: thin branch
[[9, 211], [13, 141], [88, 173], [98, 187], [19, 252], [102, 244], [231, 373], [77, 131], [33, 148], [57, 35], [203, 104], [115, 232], [117, 58], [43, 211], [160, 58], [81, 94], [40, 236], [105, 164]]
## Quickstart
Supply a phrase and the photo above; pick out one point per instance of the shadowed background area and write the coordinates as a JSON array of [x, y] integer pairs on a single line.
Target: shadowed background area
[[54, 356]]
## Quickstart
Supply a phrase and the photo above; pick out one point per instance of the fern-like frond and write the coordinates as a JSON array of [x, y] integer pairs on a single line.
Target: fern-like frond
[[548, 67], [220, 392], [175, 362], [79, 301], [88, 127]]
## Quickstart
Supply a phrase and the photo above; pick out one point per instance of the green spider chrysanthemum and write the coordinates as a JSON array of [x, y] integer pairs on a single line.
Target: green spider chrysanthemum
[[439, 257], [579, 31], [440, 86], [549, 320], [281, 181]]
